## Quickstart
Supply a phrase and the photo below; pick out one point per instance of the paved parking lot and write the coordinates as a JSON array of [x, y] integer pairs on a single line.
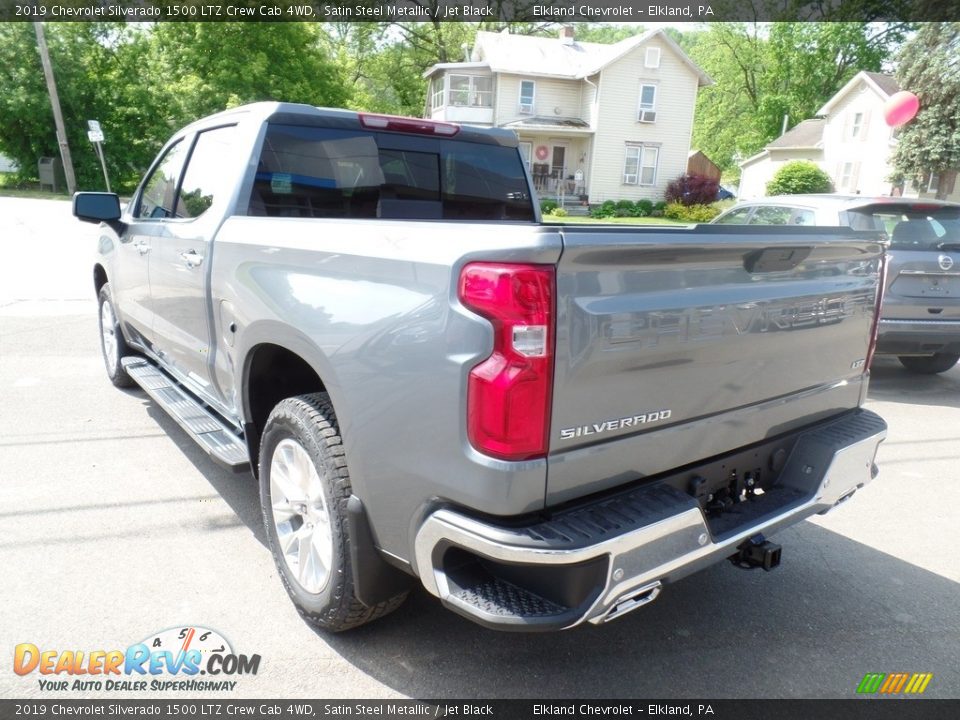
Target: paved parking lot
[[113, 525]]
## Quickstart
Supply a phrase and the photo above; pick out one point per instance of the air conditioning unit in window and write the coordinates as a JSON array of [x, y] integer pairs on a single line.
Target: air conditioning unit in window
[[648, 116], [526, 108]]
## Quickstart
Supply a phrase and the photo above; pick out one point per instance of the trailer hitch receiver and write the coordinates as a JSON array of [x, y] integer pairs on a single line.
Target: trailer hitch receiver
[[756, 552]]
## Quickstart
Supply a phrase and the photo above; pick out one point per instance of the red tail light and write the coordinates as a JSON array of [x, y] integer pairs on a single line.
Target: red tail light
[[875, 328], [508, 394]]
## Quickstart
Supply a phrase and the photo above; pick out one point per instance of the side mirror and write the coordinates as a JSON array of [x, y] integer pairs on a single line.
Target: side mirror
[[96, 207]]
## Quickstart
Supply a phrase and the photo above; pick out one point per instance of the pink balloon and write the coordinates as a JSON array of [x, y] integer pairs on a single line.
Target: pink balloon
[[900, 108]]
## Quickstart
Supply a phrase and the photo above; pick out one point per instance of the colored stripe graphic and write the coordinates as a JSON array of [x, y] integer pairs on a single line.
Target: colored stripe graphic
[[894, 683], [871, 682]]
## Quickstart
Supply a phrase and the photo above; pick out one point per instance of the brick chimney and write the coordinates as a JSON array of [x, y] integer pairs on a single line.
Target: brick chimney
[[566, 34]]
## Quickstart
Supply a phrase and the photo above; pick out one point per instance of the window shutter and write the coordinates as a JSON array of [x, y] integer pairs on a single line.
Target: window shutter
[[854, 176], [864, 125]]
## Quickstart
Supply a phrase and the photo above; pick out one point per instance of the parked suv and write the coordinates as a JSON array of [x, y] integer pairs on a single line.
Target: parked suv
[[920, 317]]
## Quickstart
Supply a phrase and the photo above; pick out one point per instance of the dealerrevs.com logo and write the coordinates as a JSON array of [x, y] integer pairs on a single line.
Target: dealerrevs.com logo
[[171, 659]]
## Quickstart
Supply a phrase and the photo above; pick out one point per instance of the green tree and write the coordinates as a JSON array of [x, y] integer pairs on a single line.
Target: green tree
[[765, 71], [205, 67], [144, 82], [798, 177], [930, 68], [93, 64]]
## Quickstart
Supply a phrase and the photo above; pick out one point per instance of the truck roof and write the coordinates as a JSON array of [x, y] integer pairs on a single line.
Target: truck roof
[[299, 113]]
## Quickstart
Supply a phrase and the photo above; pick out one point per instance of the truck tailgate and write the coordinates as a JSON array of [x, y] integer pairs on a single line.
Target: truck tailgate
[[675, 345]]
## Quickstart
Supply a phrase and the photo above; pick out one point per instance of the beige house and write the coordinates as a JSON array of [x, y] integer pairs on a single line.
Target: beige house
[[850, 141], [604, 122]]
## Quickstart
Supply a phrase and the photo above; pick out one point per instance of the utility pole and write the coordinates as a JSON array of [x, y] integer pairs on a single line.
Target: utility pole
[[57, 113]]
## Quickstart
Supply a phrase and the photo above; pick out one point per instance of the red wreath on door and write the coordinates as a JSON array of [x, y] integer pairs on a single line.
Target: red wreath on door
[[542, 152]]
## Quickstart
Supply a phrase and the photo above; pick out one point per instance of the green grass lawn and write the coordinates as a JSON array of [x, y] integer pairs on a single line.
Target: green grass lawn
[[612, 221]]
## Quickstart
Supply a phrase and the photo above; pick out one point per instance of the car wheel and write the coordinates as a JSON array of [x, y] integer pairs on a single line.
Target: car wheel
[[112, 344], [304, 489], [930, 364]]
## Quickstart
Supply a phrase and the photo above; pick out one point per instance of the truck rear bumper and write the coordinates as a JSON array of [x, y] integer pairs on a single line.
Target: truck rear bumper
[[598, 560], [918, 337]]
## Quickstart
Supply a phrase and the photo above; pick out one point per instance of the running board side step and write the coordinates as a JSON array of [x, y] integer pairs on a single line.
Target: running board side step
[[220, 442]]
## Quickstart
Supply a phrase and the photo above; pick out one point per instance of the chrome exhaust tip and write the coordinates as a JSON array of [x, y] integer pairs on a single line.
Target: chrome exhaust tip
[[633, 600]]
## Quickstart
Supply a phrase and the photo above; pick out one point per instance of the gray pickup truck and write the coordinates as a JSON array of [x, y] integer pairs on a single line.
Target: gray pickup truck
[[543, 424]]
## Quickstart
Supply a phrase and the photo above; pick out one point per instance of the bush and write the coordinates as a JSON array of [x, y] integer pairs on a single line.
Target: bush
[[607, 210], [658, 208], [799, 176], [558, 212], [548, 206], [692, 190], [643, 208], [690, 213]]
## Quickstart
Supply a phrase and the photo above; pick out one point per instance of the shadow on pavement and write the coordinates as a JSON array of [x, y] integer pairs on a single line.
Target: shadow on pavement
[[834, 611], [891, 382], [239, 490]]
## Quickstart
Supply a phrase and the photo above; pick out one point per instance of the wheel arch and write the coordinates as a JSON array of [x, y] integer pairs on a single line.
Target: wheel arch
[[273, 371], [99, 278]]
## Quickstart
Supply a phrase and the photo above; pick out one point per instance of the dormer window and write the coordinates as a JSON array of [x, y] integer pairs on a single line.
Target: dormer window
[[652, 57]]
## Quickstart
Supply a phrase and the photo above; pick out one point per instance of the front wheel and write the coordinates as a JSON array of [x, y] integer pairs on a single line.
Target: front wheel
[[304, 489], [113, 346], [930, 364]]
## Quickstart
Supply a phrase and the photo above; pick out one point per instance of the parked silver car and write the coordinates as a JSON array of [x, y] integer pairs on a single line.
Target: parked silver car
[[920, 319]]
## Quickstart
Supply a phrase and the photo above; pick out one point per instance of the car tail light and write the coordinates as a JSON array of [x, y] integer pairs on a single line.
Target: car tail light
[[875, 328], [509, 393], [397, 123]]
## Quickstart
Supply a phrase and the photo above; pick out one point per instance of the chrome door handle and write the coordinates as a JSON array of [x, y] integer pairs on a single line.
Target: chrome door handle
[[191, 258]]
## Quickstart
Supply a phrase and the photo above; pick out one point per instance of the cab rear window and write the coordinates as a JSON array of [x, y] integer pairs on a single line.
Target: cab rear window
[[324, 172]]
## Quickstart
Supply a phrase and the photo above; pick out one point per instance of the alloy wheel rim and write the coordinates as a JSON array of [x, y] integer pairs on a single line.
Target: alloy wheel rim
[[300, 516], [108, 331]]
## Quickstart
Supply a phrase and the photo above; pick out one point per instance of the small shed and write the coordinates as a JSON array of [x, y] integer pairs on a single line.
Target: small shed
[[700, 164]]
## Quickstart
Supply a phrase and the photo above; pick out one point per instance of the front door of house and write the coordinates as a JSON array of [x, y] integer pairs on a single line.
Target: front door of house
[[558, 163]]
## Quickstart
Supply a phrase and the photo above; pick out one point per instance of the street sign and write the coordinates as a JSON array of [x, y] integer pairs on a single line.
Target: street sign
[[93, 126], [95, 136]]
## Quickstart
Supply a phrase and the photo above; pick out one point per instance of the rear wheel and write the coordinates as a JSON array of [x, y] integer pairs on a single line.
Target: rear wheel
[[930, 364], [304, 489], [112, 344]]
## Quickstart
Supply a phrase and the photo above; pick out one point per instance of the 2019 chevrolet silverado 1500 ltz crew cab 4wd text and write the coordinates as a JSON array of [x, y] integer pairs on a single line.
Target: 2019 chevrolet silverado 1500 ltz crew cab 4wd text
[[544, 425]]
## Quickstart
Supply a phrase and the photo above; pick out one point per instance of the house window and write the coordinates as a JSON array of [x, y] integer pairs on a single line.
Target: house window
[[652, 58], [933, 185], [640, 165], [471, 91], [846, 174], [647, 112], [527, 94], [526, 152], [856, 127]]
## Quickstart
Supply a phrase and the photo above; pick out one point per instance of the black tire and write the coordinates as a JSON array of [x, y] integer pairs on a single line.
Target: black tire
[[309, 421], [930, 364], [115, 371]]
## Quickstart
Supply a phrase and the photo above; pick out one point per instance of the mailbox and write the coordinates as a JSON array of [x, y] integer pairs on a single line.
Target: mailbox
[[50, 171]]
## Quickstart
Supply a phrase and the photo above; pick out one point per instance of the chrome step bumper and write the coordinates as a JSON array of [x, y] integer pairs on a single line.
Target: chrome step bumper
[[211, 433], [621, 550]]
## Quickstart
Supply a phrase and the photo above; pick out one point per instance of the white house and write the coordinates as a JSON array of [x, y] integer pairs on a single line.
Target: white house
[[608, 122], [850, 141]]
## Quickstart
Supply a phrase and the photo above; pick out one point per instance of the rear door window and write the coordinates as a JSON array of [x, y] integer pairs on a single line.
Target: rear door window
[[204, 178], [325, 172], [771, 215], [736, 217]]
